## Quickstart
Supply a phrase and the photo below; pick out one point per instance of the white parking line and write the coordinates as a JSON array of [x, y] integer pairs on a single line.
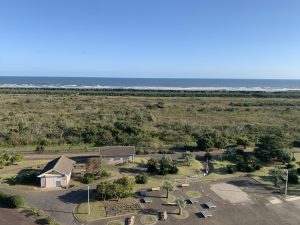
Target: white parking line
[[274, 200]]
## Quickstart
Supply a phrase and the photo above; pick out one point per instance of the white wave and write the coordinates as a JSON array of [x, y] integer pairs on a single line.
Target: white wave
[[74, 86]]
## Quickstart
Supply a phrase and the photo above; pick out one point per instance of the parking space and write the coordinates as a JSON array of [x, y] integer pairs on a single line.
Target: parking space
[[236, 201]]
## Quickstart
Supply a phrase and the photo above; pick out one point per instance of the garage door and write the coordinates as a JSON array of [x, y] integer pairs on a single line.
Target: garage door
[[53, 182]]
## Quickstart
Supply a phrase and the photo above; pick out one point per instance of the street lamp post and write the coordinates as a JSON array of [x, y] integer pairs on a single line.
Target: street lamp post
[[89, 208], [286, 182], [207, 166]]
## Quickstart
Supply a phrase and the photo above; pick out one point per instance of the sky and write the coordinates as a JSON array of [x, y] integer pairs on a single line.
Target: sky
[[151, 38]]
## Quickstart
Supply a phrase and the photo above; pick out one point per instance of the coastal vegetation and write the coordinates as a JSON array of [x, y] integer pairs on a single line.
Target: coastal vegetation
[[63, 119]]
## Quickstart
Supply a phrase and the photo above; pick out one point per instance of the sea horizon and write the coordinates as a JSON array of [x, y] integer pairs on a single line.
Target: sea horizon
[[93, 82]]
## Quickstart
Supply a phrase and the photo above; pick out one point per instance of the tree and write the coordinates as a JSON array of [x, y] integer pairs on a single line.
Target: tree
[[268, 146], [188, 157], [168, 186], [167, 165], [181, 204], [243, 141], [233, 154], [93, 165], [124, 187], [121, 188], [205, 141], [284, 155], [277, 175], [141, 179], [102, 189], [152, 166]]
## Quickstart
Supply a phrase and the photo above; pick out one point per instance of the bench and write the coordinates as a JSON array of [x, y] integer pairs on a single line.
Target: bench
[[147, 200], [192, 200], [210, 205], [171, 203], [205, 213], [185, 185], [155, 189]]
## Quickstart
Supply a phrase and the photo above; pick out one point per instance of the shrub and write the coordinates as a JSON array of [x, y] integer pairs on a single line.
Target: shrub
[[15, 201], [290, 166], [231, 169], [141, 179], [298, 170], [104, 173], [152, 166], [174, 169], [139, 152], [3, 197], [27, 178], [293, 177], [40, 149], [207, 156], [87, 179]]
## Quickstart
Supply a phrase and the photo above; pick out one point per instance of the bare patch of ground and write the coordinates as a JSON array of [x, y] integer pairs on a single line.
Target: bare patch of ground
[[230, 192]]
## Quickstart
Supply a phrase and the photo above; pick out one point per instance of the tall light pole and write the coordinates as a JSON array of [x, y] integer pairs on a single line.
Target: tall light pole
[[286, 181], [207, 166], [89, 208]]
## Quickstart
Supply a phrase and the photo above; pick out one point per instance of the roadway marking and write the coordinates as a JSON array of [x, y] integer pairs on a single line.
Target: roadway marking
[[274, 200], [293, 198]]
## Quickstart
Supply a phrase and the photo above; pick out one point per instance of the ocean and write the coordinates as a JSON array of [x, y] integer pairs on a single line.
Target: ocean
[[150, 83]]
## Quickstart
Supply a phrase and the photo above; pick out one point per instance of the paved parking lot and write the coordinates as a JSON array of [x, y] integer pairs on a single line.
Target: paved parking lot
[[252, 204], [239, 201]]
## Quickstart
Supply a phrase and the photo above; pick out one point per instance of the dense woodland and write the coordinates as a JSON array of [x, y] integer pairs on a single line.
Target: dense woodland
[[45, 117]]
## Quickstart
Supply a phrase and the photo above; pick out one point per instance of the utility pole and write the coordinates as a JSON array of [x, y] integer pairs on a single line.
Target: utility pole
[[286, 181], [207, 166], [89, 208]]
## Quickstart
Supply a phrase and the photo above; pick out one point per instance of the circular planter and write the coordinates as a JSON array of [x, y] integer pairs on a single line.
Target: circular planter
[[149, 220], [193, 194], [184, 215], [115, 222]]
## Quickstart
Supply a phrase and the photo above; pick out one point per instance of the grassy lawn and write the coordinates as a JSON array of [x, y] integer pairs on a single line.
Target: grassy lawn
[[193, 194], [263, 177], [148, 219], [115, 222], [157, 180], [219, 170], [97, 211], [23, 164]]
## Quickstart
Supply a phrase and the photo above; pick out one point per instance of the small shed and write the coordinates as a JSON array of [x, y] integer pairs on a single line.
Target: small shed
[[57, 173]]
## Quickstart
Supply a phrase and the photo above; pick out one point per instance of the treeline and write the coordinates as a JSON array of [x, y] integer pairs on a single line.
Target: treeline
[[151, 93], [249, 104]]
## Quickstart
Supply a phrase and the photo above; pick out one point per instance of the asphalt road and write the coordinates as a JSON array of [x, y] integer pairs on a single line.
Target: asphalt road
[[58, 203], [13, 217]]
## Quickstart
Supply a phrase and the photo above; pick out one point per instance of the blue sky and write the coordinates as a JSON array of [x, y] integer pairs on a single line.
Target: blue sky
[[151, 38]]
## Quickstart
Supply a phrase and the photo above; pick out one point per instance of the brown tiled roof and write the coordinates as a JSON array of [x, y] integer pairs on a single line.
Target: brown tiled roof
[[61, 164], [117, 151]]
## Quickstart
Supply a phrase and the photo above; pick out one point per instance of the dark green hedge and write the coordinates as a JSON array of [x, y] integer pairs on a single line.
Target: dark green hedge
[[12, 201]]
